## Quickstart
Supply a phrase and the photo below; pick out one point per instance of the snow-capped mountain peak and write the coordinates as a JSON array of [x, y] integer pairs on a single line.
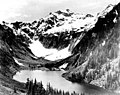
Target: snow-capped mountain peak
[[57, 30]]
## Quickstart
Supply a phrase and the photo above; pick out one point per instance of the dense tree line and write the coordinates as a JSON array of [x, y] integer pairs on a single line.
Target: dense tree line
[[36, 88]]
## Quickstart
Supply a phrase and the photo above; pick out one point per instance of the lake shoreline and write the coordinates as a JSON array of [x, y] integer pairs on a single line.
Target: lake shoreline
[[50, 77]]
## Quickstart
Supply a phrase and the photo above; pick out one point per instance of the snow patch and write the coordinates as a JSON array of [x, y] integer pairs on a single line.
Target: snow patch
[[115, 20], [61, 54], [103, 43], [50, 54], [18, 62], [91, 53], [63, 66], [10, 49], [38, 49]]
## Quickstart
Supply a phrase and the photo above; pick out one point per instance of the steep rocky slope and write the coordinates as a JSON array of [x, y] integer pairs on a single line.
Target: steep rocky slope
[[7, 63], [8, 66], [97, 53]]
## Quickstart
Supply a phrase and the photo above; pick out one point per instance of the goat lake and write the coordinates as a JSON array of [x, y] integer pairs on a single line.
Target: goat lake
[[57, 81]]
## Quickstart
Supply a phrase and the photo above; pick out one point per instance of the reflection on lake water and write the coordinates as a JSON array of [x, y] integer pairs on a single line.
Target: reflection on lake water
[[56, 81]]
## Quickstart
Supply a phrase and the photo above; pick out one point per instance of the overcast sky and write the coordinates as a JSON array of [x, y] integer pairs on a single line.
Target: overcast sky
[[30, 10]]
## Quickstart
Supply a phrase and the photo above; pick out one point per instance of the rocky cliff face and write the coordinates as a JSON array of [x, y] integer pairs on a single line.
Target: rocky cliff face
[[92, 42], [97, 53], [7, 63]]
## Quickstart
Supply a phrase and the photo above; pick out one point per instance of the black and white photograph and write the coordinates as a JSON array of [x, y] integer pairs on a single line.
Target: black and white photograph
[[60, 47]]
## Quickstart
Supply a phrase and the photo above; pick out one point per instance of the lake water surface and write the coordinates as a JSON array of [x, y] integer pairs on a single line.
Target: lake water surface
[[56, 81]]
